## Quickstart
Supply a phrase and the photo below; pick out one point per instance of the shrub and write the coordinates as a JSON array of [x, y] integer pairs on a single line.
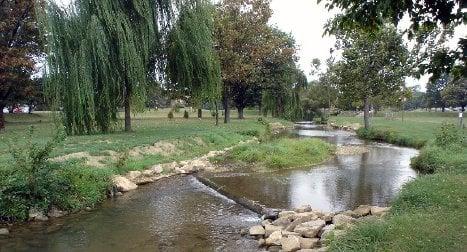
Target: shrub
[[447, 135], [34, 181], [186, 115], [171, 115]]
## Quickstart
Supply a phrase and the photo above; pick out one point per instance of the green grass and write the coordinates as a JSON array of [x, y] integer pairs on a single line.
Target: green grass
[[429, 213], [73, 185], [279, 153], [415, 131]]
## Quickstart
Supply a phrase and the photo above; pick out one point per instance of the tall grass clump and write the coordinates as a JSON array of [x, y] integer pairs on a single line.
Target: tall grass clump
[[36, 182], [447, 153], [390, 136]]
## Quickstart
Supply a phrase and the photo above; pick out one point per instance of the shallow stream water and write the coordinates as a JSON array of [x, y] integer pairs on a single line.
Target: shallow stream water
[[181, 214]]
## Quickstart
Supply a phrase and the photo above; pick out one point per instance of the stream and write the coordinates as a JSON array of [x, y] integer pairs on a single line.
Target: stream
[[182, 214]]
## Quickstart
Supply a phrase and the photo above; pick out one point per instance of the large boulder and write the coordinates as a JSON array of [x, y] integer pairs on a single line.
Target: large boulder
[[37, 215], [257, 230], [274, 239], [310, 229], [379, 211], [123, 184], [282, 221], [271, 229], [326, 231], [308, 243], [301, 218], [303, 209], [362, 210], [56, 213], [290, 243], [285, 214], [4, 231], [342, 219], [132, 175]]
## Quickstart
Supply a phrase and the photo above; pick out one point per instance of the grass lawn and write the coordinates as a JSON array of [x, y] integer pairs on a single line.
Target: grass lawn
[[279, 153], [419, 127], [75, 183], [430, 213], [148, 128]]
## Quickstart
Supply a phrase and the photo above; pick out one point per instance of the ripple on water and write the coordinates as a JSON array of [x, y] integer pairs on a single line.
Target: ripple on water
[[177, 214]]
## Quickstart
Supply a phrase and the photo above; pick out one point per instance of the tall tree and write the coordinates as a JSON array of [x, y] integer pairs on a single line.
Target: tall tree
[[240, 26], [455, 93], [98, 58], [373, 64], [431, 24], [193, 67], [18, 46]]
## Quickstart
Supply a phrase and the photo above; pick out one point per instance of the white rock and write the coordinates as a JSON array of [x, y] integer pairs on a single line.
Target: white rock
[[301, 218], [257, 230], [271, 229], [4, 231], [286, 214], [310, 229], [303, 209], [379, 211], [157, 169], [308, 243], [290, 243], [132, 175], [342, 219], [123, 184], [362, 210], [274, 239], [56, 213], [37, 215]]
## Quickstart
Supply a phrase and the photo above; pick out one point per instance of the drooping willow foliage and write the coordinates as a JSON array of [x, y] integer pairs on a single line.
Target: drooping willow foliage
[[193, 68], [100, 54]]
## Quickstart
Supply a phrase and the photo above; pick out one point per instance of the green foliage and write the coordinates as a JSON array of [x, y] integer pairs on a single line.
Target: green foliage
[[447, 153], [389, 136], [193, 67], [186, 115], [447, 135], [281, 153]]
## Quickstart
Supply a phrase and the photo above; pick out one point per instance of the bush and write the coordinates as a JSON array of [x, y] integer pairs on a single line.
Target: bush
[[186, 115], [448, 135], [33, 182], [171, 115]]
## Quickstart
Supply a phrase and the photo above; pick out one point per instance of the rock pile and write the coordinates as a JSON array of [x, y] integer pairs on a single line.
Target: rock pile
[[305, 229], [132, 179]]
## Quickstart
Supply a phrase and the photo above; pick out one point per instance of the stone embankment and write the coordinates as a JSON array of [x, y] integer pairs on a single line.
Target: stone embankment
[[351, 127], [131, 180], [306, 230]]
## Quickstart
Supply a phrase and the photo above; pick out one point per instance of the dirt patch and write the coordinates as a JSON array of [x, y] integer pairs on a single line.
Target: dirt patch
[[162, 147], [351, 150], [94, 161]]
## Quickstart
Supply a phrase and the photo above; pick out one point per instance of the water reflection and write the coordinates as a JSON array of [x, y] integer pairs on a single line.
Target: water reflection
[[172, 215], [341, 183]]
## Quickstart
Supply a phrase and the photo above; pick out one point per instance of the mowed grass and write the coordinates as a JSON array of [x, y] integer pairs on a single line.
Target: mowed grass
[[430, 213], [75, 184], [148, 128], [279, 154], [419, 127]]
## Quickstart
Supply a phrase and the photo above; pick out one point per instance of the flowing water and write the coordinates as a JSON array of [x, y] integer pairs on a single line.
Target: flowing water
[[181, 214], [341, 183]]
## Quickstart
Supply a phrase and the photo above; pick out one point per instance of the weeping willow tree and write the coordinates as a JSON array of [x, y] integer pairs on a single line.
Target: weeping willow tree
[[193, 68], [98, 55]]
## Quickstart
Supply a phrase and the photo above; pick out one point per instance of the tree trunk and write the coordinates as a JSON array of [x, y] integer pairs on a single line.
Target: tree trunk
[[443, 109], [126, 103], [240, 113], [2, 117], [366, 113], [260, 109], [200, 113], [226, 108]]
